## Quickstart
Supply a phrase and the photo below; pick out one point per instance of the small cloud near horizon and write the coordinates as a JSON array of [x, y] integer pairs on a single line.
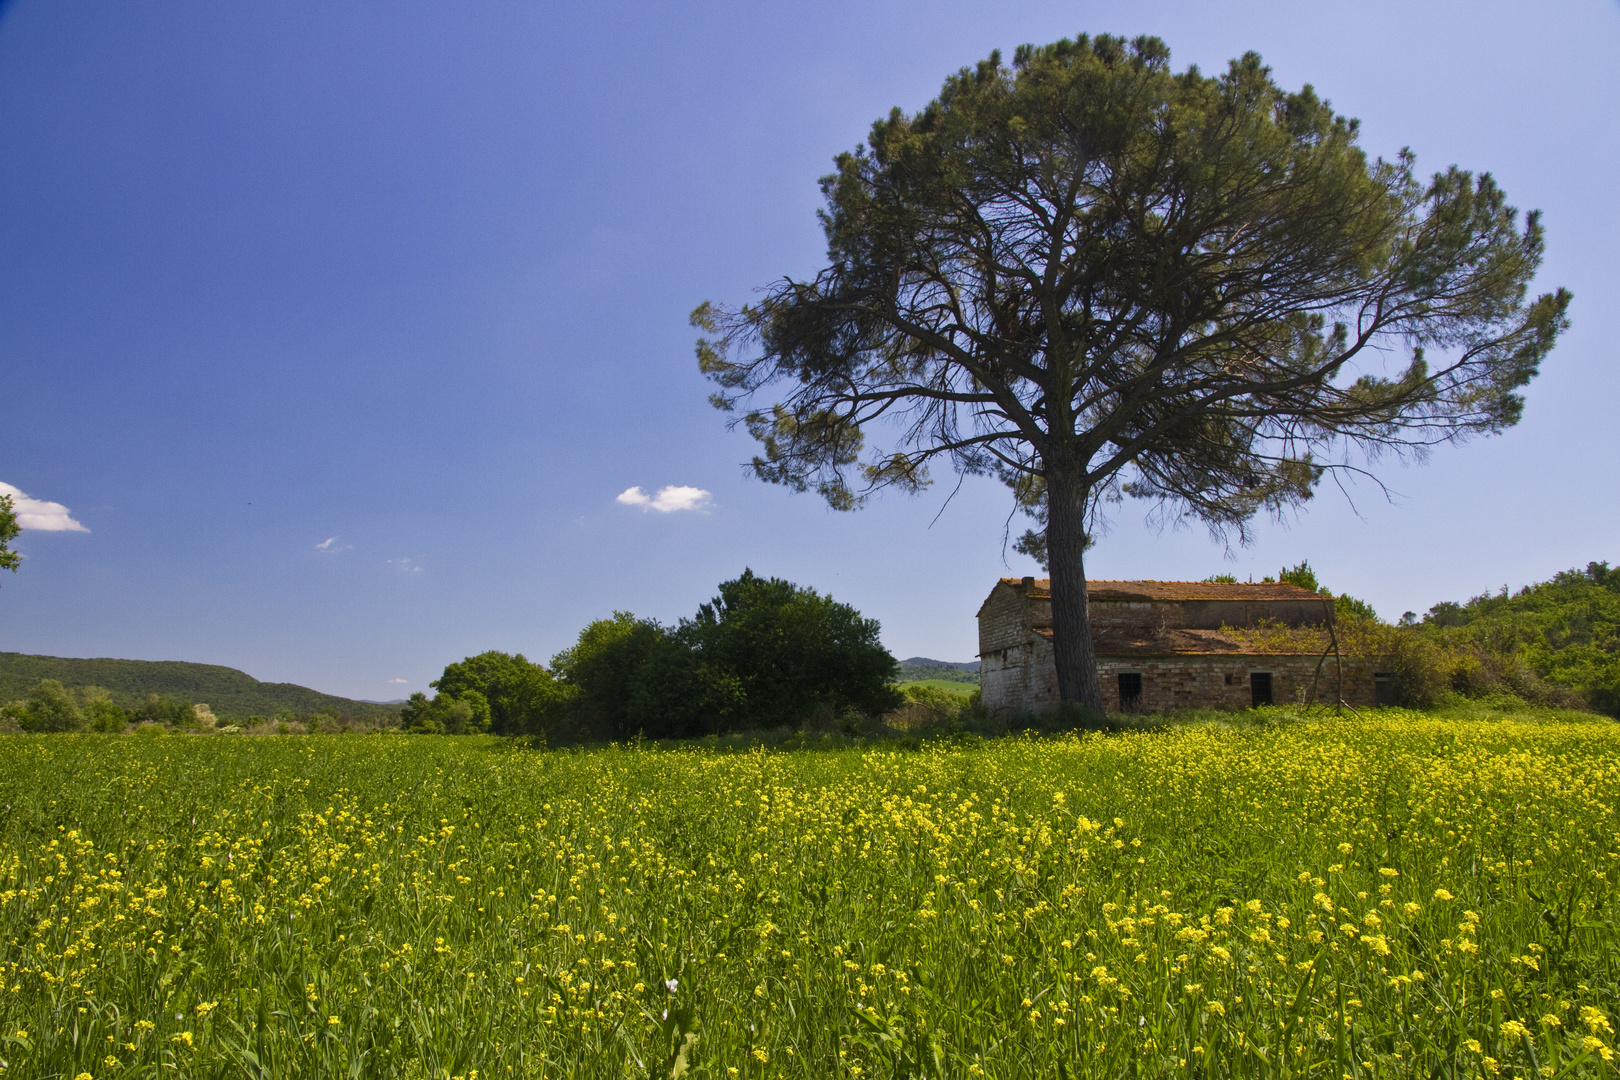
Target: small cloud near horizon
[[399, 681], [667, 500], [39, 514], [330, 546]]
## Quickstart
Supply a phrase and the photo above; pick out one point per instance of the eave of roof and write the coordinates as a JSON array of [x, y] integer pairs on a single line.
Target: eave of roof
[[1149, 591]]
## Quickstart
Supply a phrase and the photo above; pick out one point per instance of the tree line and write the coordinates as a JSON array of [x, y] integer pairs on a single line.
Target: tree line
[[762, 653]]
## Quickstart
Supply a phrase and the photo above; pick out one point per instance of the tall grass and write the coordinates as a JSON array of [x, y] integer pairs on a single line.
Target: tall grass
[[1402, 896]]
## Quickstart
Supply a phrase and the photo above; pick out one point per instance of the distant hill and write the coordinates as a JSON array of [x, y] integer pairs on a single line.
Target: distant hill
[[920, 667], [226, 691]]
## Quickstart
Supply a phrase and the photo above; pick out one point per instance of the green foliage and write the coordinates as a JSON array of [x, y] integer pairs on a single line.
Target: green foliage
[[954, 687], [938, 707], [793, 650], [167, 710], [680, 691], [1566, 630], [51, 708], [522, 697], [228, 691], [601, 670], [465, 714], [1344, 607], [764, 652], [1301, 575], [1348, 607], [1221, 579], [9, 530], [102, 714], [630, 675]]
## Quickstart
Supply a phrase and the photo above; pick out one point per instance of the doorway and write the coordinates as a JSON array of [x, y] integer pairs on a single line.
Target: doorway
[[1130, 692]]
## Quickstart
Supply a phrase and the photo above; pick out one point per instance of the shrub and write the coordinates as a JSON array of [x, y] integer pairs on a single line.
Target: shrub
[[163, 709], [446, 715], [792, 650], [927, 707], [51, 708], [631, 676], [762, 653], [105, 716]]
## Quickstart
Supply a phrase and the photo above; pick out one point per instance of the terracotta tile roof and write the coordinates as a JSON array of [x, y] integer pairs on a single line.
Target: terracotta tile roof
[[1177, 642], [1175, 590]]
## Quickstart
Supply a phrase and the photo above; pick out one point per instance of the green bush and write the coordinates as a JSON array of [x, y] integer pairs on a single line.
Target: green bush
[[105, 716], [51, 708], [763, 653], [792, 650], [600, 671], [928, 707], [446, 715], [166, 710]]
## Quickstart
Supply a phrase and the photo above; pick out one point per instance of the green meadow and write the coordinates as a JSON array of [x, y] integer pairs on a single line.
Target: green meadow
[[1403, 895]]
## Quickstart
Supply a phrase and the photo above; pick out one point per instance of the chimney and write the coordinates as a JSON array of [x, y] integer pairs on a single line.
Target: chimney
[[1029, 585]]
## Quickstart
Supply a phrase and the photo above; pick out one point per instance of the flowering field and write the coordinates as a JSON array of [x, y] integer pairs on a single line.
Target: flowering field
[[1402, 897]]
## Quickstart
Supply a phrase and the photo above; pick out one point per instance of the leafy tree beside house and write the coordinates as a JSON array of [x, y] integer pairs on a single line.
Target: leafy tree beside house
[[1344, 605], [1095, 278]]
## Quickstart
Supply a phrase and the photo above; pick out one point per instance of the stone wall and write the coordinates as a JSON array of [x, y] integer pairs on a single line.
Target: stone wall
[[1226, 681], [1004, 620], [1023, 679], [1013, 680]]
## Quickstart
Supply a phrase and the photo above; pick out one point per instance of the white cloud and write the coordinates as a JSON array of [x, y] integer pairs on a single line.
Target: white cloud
[[405, 566], [399, 680], [39, 514], [668, 499], [331, 547]]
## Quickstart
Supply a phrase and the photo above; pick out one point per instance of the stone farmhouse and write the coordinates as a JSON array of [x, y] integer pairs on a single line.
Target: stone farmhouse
[[1174, 644]]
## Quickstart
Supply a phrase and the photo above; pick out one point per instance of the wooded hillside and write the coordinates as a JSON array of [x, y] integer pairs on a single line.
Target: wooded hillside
[[227, 691], [1567, 630], [920, 667]]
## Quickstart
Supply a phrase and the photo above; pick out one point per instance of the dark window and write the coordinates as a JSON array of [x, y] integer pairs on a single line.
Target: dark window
[[1384, 691], [1229, 680], [1260, 688], [1130, 692]]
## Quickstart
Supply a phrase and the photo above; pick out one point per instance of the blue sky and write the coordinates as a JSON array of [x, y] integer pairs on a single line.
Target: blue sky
[[340, 328]]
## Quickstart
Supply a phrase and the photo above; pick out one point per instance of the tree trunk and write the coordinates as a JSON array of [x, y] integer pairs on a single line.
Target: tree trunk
[[1066, 498]]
